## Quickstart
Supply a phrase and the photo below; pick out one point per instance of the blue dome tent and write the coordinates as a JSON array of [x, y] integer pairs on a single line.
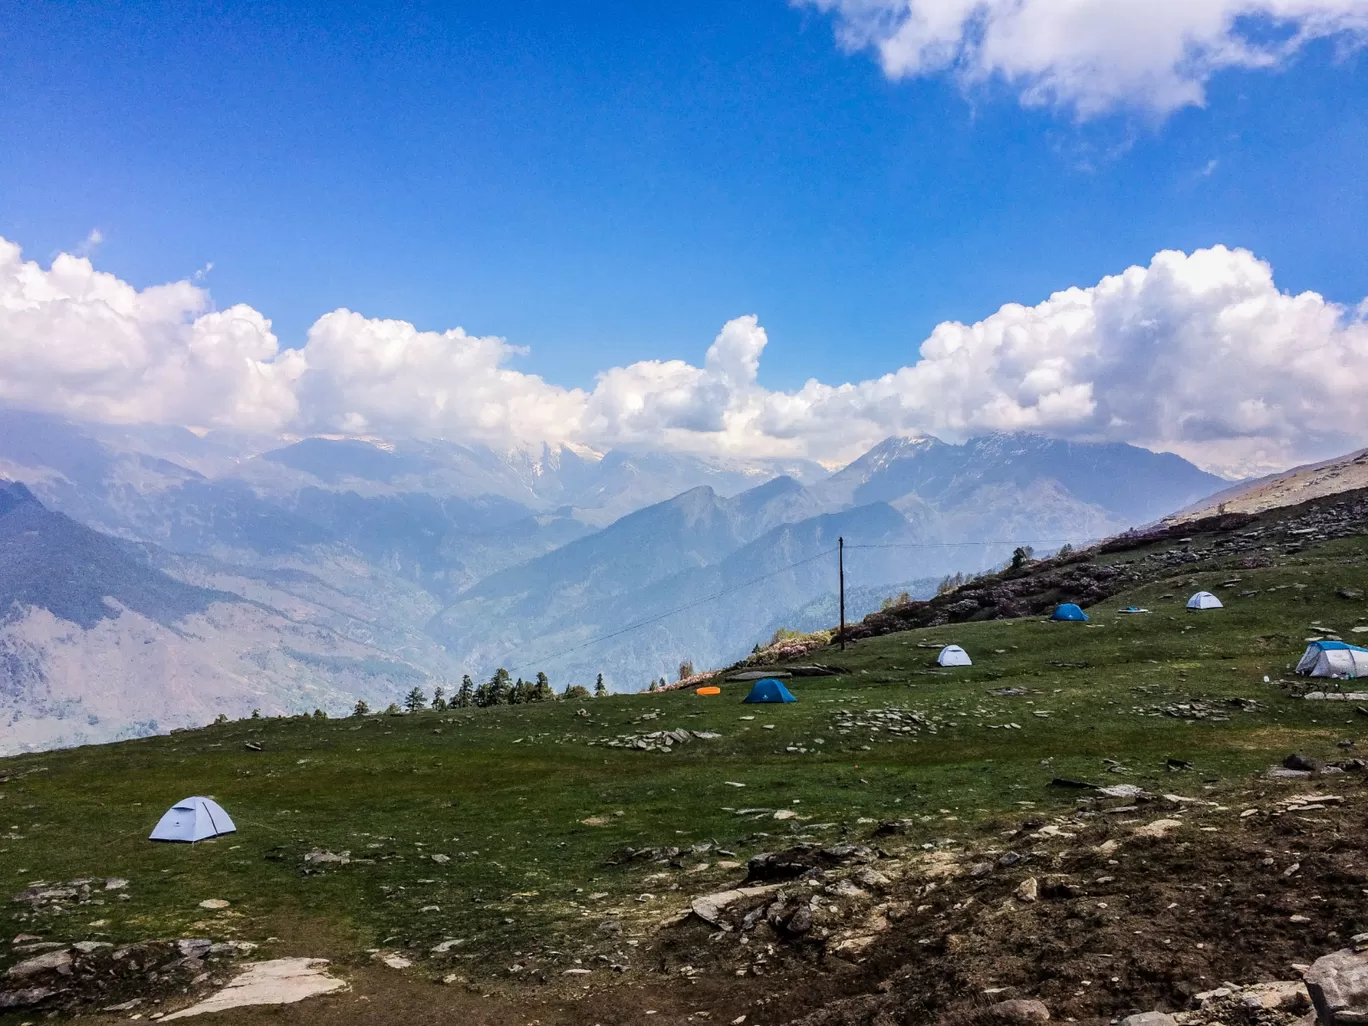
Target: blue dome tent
[[1069, 613], [769, 690], [194, 819]]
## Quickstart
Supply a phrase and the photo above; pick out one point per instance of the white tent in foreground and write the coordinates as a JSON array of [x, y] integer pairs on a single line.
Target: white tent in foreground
[[953, 655], [1334, 659], [194, 819], [1204, 600]]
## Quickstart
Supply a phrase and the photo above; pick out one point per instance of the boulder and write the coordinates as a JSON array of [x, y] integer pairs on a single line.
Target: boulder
[[26, 997], [1021, 1010], [1149, 1019], [53, 961], [1028, 889], [1338, 985], [1302, 763]]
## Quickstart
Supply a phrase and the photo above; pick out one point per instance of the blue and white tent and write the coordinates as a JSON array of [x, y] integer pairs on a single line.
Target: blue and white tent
[[769, 690], [1069, 613], [1334, 659], [194, 819]]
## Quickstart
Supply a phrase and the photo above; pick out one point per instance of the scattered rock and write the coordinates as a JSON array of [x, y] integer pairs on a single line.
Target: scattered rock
[[804, 859], [1149, 1019], [1020, 1010], [1338, 985], [1159, 828], [213, 904], [1280, 996], [281, 981], [318, 857], [194, 947], [395, 961], [1028, 890]]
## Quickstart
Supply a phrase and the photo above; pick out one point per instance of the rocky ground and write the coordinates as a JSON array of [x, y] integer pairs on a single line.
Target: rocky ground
[[1205, 905]]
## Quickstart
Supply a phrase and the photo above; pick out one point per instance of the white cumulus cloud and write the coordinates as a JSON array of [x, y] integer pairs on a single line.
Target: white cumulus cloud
[[81, 342], [1091, 56], [1199, 354]]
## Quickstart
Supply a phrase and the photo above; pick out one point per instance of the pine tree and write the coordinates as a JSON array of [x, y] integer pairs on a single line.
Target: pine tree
[[439, 702], [500, 685], [517, 692], [319, 714], [361, 709], [415, 700], [543, 692], [465, 698], [600, 688], [573, 691], [392, 710], [655, 685], [686, 669], [482, 695]]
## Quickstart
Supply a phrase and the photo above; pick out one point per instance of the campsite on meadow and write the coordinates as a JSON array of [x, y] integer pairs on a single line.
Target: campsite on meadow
[[935, 823]]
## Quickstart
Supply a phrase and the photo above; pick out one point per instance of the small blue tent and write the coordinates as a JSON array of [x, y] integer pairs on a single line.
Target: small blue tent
[[1070, 612], [770, 690]]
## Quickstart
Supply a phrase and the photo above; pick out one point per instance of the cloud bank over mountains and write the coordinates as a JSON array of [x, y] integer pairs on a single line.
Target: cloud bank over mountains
[[1198, 353], [1091, 56]]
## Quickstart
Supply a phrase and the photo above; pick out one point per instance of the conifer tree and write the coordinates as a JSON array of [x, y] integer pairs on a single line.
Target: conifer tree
[[439, 702], [465, 698], [500, 685], [655, 686], [415, 700], [543, 692], [361, 709], [600, 688]]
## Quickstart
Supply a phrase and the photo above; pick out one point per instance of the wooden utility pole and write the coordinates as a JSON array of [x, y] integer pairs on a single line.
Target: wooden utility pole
[[840, 569]]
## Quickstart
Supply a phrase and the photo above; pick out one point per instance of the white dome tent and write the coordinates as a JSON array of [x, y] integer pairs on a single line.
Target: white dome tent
[[1334, 659], [953, 655], [194, 819], [1204, 600]]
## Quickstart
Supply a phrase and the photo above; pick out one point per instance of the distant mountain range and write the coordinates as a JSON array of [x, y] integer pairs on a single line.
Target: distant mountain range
[[285, 576]]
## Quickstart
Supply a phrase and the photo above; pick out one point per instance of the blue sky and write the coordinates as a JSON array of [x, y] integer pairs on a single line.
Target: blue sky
[[612, 182], [619, 185]]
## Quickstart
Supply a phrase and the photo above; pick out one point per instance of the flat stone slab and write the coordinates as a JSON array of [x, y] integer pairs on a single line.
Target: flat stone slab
[[708, 907], [281, 981]]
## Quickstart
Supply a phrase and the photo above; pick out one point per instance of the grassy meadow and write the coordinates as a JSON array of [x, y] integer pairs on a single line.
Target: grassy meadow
[[492, 830]]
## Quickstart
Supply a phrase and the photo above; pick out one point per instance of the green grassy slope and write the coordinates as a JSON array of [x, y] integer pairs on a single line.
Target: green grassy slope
[[526, 804]]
